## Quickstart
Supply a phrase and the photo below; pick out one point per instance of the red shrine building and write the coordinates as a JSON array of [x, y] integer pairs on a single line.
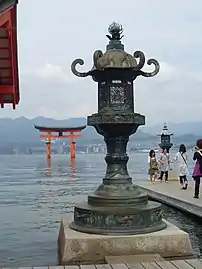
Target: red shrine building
[[60, 132], [9, 80]]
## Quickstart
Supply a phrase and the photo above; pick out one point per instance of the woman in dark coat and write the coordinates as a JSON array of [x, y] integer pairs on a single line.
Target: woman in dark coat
[[197, 173]]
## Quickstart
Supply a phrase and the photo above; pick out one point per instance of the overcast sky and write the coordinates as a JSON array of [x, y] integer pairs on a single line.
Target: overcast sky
[[52, 34]]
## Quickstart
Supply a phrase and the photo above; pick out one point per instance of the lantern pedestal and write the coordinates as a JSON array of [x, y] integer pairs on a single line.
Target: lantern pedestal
[[82, 248], [117, 206]]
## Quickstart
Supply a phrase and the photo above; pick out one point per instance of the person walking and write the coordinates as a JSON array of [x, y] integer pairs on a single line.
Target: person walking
[[197, 172], [182, 167], [153, 166], [164, 163]]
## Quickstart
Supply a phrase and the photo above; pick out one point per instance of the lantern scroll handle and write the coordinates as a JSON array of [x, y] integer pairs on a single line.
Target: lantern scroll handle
[[75, 72], [153, 73], [140, 55]]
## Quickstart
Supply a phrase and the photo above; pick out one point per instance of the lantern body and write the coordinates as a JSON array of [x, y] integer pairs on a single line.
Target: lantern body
[[115, 92]]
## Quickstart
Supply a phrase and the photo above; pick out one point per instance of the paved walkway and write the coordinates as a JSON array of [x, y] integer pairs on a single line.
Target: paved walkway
[[176, 264], [170, 193]]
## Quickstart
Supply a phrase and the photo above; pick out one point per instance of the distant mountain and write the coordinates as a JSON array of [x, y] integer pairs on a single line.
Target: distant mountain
[[52, 122], [182, 128], [187, 139], [21, 131]]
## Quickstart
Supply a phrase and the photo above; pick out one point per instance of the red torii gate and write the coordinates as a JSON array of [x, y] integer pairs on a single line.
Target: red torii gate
[[58, 132], [9, 81]]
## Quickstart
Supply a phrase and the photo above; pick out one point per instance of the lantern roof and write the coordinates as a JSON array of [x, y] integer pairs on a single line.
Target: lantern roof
[[165, 130], [115, 57]]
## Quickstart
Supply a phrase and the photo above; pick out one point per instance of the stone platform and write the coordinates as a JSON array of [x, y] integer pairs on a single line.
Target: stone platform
[[171, 194], [75, 247]]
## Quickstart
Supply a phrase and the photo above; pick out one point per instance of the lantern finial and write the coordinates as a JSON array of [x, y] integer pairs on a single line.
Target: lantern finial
[[115, 29]]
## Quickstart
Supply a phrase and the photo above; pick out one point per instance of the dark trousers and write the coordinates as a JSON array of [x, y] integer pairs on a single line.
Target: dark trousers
[[183, 179], [166, 175], [197, 186]]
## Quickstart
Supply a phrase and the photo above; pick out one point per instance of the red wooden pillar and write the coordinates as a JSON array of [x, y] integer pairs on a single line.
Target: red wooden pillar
[[48, 146], [72, 149]]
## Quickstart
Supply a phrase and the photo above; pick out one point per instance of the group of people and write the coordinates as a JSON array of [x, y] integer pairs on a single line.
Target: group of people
[[158, 168]]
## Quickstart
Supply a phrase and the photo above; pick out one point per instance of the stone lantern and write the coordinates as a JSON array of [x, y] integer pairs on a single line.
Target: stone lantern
[[165, 138], [117, 206], [117, 219]]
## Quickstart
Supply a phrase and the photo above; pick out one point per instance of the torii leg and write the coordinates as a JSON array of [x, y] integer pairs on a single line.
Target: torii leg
[[48, 146], [72, 149], [48, 168], [48, 150]]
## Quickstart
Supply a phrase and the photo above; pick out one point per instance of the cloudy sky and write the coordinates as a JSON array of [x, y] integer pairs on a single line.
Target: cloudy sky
[[52, 34]]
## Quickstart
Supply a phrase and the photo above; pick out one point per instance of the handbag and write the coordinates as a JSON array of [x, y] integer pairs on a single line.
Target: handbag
[[184, 168], [196, 171]]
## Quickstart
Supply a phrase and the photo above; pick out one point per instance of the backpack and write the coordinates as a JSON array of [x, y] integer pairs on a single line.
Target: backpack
[[153, 164]]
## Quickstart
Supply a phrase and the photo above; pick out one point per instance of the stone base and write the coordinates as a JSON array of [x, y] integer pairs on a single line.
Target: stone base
[[75, 247], [119, 220]]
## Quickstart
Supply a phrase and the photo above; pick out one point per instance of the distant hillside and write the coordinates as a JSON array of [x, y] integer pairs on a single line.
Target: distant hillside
[[21, 131], [182, 128]]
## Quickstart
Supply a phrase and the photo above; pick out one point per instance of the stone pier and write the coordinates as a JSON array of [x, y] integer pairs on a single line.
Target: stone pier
[[75, 247]]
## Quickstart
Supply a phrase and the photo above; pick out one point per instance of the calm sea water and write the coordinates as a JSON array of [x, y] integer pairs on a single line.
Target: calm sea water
[[34, 197]]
